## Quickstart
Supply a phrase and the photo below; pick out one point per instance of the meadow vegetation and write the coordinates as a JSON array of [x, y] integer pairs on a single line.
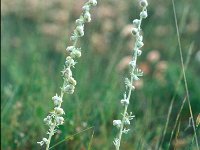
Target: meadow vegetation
[[34, 36]]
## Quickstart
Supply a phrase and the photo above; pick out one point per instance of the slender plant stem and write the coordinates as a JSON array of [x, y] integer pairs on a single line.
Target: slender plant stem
[[184, 76], [173, 98], [124, 114], [50, 135], [134, 59]]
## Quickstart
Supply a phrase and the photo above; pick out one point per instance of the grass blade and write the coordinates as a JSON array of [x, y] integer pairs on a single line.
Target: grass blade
[[184, 76], [70, 136]]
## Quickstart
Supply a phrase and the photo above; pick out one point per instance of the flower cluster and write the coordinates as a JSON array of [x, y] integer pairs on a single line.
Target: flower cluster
[[135, 73], [55, 117]]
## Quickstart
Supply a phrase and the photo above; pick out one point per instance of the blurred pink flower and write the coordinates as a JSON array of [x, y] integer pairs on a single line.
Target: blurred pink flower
[[124, 63], [144, 67], [153, 56], [138, 84], [126, 31], [162, 66]]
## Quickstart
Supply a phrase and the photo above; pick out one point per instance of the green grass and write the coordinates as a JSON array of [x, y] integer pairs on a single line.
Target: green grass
[[30, 76]]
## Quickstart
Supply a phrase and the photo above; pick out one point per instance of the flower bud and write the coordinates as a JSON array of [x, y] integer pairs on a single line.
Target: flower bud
[[132, 64], [79, 22], [136, 22], [67, 72], [45, 140], [69, 89], [140, 44], [60, 120], [75, 53], [47, 120], [135, 78], [87, 16], [132, 87], [93, 2], [135, 31], [73, 38], [69, 61], [143, 3], [127, 121], [143, 14], [124, 102], [80, 30], [72, 81], [57, 100], [59, 111], [70, 48], [117, 123], [139, 52], [86, 8], [125, 131]]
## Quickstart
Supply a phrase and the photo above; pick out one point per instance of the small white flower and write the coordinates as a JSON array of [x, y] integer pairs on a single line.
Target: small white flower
[[87, 16], [73, 38], [126, 121], [70, 48], [135, 77], [45, 140], [69, 61], [72, 81], [86, 8], [69, 89], [79, 22], [47, 120], [143, 3], [93, 2], [117, 123], [139, 52], [132, 87], [132, 64], [136, 22], [60, 120], [135, 31], [59, 111], [75, 53], [124, 102], [125, 131], [80, 30], [140, 38], [143, 14], [67, 72], [140, 44], [57, 100]]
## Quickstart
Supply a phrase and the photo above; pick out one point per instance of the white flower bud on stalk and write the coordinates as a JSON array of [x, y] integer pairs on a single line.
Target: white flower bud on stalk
[[143, 14], [143, 3], [80, 30], [93, 2], [54, 119], [134, 75], [75, 53], [87, 16], [136, 22], [117, 123]]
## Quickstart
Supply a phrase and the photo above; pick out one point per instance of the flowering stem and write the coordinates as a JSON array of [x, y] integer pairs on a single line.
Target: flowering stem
[[126, 106], [50, 135], [134, 75], [54, 119]]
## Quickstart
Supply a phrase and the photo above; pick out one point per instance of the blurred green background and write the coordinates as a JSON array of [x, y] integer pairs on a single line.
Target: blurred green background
[[34, 35]]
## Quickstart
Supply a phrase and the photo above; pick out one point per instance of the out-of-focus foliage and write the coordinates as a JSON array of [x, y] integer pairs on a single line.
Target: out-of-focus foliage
[[34, 35]]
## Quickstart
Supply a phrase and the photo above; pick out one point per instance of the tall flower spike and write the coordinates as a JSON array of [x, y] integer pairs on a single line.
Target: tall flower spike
[[55, 118], [135, 73]]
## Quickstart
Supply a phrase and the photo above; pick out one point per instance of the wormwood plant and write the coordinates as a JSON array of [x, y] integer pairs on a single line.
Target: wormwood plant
[[55, 117], [135, 73]]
